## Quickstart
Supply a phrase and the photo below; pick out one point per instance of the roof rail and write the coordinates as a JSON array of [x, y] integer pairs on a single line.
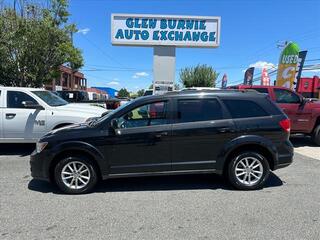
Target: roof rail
[[192, 91]]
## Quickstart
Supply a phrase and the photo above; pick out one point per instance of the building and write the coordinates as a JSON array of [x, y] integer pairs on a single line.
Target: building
[[309, 87], [110, 91], [97, 94], [68, 80]]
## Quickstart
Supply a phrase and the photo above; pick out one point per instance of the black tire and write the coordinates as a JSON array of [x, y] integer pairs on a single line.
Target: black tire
[[250, 156], [91, 174], [316, 135]]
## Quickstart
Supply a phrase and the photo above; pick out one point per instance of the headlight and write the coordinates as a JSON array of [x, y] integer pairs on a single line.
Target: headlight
[[40, 146]]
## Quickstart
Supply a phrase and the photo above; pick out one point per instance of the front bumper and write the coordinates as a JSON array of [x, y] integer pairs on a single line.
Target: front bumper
[[38, 166]]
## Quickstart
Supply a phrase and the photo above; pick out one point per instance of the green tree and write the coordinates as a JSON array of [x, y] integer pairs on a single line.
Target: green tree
[[199, 76], [140, 92], [34, 42], [123, 93]]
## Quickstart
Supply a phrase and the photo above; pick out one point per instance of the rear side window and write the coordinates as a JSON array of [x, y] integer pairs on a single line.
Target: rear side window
[[194, 110], [261, 90], [244, 108], [15, 99]]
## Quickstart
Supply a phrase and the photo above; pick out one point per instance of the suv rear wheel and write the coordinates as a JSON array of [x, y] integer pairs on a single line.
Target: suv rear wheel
[[75, 175], [316, 135], [248, 170]]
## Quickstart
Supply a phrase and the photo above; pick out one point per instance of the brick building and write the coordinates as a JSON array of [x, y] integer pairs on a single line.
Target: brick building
[[68, 80]]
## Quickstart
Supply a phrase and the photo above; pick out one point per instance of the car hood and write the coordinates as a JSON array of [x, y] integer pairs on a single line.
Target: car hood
[[68, 128], [80, 108]]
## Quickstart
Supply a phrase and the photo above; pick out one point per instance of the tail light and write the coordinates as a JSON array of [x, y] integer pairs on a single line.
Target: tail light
[[285, 125]]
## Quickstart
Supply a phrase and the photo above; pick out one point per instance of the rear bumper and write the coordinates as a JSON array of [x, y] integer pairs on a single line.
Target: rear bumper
[[284, 161], [285, 155]]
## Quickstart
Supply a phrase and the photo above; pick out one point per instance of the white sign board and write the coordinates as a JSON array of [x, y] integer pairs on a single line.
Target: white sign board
[[58, 88], [159, 30]]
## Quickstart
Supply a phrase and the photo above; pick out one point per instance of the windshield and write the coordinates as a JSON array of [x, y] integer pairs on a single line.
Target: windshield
[[50, 98]]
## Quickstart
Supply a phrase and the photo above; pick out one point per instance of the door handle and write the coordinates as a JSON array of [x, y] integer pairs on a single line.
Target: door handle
[[10, 115], [224, 129], [159, 135]]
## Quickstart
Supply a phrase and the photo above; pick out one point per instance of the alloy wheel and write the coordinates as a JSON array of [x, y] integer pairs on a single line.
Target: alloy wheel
[[75, 175], [249, 171]]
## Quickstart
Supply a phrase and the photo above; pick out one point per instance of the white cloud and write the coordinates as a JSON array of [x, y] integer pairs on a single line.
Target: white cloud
[[84, 31], [113, 83], [262, 64], [140, 74]]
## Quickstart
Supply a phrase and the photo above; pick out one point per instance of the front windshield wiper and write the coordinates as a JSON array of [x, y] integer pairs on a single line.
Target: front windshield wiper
[[92, 122]]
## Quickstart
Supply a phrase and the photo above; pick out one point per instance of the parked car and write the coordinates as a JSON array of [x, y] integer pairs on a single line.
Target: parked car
[[148, 92], [124, 100], [176, 133], [304, 113], [74, 95], [81, 97], [26, 114], [113, 103]]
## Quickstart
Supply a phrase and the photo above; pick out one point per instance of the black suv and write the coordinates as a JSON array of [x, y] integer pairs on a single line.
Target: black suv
[[240, 134]]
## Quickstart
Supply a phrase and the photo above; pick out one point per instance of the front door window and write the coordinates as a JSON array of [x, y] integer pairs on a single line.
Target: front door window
[[15, 99], [286, 96], [145, 115]]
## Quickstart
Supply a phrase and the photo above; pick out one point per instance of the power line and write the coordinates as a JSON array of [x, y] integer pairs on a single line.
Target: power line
[[102, 51], [312, 60]]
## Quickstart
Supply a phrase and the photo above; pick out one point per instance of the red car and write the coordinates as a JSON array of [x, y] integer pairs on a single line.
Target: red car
[[304, 113]]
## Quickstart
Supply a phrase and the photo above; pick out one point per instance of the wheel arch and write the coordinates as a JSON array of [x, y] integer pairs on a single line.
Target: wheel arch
[[248, 143], [316, 123], [77, 150]]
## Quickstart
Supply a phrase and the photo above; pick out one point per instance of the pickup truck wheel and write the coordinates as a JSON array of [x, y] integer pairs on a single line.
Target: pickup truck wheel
[[316, 135], [248, 170], [75, 175]]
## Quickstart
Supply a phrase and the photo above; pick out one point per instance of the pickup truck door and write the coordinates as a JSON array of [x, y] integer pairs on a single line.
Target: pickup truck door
[[20, 122], [299, 114]]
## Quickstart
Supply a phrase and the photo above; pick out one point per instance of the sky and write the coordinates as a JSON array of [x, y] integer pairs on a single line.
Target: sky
[[250, 33]]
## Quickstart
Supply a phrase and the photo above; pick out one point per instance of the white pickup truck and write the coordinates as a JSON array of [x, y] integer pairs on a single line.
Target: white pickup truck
[[26, 114]]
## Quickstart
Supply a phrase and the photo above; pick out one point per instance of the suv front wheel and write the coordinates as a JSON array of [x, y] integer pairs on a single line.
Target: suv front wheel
[[248, 170], [75, 175]]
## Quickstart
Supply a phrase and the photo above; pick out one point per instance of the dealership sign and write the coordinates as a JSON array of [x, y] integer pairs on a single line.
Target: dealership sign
[[159, 30]]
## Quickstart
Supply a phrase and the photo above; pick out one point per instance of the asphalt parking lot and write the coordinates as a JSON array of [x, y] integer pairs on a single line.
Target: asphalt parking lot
[[175, 207]]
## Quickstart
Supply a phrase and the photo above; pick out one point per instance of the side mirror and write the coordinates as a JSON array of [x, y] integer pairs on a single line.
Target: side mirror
[[304, 101], [114, 124], [32, 105]]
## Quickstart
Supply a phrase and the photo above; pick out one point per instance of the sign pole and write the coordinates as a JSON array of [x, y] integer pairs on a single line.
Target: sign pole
[[164, 68]]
